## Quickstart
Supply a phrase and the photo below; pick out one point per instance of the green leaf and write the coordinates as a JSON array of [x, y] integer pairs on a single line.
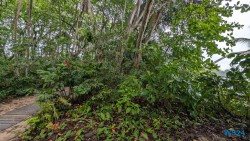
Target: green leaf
[[154, 135], [248, 75], [231, 55], [108, 116], [102, 116], [128, 110], [136, 133]]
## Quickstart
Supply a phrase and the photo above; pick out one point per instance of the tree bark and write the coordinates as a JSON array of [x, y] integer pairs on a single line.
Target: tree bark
[[17, 73], [138, 55], [30, 39], [134, 14], [155, 22]]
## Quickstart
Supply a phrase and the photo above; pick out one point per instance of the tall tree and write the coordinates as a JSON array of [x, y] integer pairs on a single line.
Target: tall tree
[[15, 35]]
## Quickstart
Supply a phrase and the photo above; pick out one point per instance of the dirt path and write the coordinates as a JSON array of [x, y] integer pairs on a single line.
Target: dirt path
[[12, 104], [13, 112]]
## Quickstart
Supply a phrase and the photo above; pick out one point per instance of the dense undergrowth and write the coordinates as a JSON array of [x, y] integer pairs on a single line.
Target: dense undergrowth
[[12, 85], [153, 103]]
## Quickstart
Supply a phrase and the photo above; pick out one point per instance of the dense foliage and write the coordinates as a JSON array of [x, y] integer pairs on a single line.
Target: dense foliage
[[120, 70]]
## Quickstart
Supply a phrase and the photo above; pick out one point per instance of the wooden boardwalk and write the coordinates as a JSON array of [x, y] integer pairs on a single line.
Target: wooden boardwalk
[[16, 116]]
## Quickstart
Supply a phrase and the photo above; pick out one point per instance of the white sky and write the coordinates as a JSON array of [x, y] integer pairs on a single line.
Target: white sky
[[243, 19]]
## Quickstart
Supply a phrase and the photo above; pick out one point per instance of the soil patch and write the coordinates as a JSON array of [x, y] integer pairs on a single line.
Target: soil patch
[[11, 104], [13, 132]]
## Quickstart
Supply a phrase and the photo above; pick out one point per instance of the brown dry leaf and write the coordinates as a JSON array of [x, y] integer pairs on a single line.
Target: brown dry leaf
[[50, 124], [113, 130], [144, 135], [55, 126], [203, 139], [75, 138]]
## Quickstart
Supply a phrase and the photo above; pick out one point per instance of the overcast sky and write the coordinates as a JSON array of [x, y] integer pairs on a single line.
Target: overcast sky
[[244, 19]]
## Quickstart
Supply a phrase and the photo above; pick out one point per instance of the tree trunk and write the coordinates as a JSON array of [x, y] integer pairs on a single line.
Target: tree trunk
[[17, 73], [30, 38], [138, 55]]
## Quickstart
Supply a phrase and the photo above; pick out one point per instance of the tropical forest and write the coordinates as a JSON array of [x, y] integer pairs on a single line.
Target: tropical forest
[[126, 70]]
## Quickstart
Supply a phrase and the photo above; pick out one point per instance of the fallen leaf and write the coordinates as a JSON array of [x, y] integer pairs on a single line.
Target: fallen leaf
[[55, 126], [50, 124]]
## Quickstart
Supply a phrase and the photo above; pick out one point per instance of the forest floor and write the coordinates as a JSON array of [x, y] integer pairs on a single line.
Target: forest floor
[[11, 105], [206, 131]]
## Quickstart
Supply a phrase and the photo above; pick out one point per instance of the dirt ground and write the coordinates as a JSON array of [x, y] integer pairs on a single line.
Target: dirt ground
[[9, 105], [14, 103], [12, 133]]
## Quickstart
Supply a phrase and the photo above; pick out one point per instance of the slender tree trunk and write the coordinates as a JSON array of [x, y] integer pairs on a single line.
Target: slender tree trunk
[[30, 39], [124, 12], [120, 57], [60, 52], [17, 73], [16, 19], [133, 16], [84, 7]]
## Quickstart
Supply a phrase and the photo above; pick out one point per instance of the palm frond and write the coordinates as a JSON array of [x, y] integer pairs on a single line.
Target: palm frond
[[241, 53], [243, 40]]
